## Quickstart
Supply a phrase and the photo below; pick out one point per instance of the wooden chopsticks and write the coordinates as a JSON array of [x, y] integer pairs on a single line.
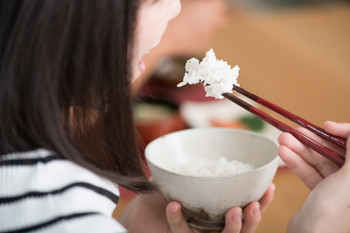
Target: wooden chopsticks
[[325, 151]]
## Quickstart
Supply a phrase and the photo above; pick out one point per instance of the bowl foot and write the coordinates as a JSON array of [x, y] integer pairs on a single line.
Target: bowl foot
[[201, 221]]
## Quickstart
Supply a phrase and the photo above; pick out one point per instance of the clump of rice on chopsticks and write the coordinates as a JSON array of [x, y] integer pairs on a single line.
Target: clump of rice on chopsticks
[[216, 75]]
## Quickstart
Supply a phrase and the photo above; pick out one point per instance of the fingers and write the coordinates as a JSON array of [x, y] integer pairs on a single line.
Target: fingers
[[267, 198], [302, 152], [176, 220], [252, 217], [233, 220], [341, 130], [299, 167], [338, 129]]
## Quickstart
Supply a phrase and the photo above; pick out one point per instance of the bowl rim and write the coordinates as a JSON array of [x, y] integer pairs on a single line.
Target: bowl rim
[[274, 160]]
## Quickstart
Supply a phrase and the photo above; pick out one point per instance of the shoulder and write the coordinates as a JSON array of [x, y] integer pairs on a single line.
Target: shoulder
[[42, 189]]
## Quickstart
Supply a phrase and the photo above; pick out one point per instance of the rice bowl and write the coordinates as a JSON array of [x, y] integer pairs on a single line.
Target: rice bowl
[[205, 199]]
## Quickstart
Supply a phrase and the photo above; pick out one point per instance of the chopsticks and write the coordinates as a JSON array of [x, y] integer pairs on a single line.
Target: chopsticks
[[300, 121], [325, 151]]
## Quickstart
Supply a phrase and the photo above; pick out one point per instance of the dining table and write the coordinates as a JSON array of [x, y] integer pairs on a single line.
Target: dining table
[[299, 59]]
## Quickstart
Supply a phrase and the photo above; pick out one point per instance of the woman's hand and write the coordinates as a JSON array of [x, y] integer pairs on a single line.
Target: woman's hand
[[327, 208], [233, 218], [307, 164], [153, 213]]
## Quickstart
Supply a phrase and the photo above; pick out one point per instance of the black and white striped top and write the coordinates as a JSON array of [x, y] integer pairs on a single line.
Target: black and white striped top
[[43, 192]]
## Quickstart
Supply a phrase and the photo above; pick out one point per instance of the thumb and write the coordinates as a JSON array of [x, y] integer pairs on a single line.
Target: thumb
[[176, 220]]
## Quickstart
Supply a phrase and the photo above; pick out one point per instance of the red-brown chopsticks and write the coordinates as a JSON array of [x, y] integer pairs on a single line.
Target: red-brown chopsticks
[[325, 151]]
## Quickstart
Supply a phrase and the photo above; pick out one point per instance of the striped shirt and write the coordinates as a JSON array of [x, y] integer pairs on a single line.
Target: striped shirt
[[43, 192]]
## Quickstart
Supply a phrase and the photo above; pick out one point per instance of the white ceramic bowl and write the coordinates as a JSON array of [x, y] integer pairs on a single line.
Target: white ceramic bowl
[[205, 200]]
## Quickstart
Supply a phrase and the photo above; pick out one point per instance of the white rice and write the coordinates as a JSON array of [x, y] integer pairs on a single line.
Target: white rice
[[216, 75], [192, 166]]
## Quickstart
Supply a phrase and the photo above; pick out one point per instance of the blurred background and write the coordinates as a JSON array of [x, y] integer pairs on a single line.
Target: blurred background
[[295, 54]]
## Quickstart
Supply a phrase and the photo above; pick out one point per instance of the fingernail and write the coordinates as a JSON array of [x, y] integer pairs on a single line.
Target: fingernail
[[273, 187], [175, 209], [236, 217], [256, 208]]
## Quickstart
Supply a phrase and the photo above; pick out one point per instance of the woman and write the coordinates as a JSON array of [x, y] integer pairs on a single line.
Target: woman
[[66, 128]]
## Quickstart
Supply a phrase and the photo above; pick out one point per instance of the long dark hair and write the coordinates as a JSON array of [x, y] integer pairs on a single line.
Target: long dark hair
[[65, 71]]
